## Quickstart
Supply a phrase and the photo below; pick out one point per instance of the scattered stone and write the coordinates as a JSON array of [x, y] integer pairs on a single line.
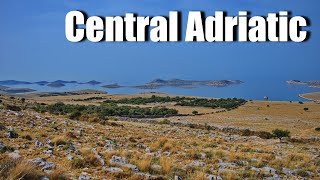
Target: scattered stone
[[287, 172], [118, 160], [241, 163], [132, 167], [14, 155], [44, 178], [223, 165], [84, 176], [70, 158], [48, 152], [148, 150], [156, 168], [37, 143], [197, 163], [100, 159], [112, 169], [269, 170], [213, 177], [122, 161], [41, 162], [147, 176]]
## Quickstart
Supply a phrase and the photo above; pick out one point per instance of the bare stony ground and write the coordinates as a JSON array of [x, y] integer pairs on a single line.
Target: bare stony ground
[[45, 146]]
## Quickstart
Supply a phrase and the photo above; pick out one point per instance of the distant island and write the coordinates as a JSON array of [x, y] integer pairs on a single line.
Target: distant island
[[6, 89], [148, 86], [158, 83], [55, 84], [42, 83], [18, 90], [154, 84], [193, 83], [93, 82], [13, 82], [112, 86], [312, 84]]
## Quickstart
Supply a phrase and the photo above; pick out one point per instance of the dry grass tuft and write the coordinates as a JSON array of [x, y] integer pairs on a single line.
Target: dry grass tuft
[[198, 175], [59, 140], [145, 164], [17, 169], [58, 175], [166, 165], [89, 160]]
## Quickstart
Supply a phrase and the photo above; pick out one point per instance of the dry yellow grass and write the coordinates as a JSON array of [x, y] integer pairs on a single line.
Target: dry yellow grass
[[257, 115], [174, 147], [262, 116], [166, 165]]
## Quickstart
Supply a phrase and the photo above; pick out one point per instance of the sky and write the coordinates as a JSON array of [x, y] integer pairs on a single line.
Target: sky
[[33, 45]]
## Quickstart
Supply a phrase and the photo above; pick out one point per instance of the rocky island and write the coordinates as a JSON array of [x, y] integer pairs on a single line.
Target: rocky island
[[56, 85], [112, 86], [312, 84], [193, 83]]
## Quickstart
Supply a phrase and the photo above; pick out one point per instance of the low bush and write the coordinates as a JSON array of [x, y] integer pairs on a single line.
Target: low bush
[[12, 107], [279, 133], [13, 134], [265, 135], [102, 111]]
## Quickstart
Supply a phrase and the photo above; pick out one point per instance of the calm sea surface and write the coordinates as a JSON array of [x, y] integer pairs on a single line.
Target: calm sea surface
[[250, 90]]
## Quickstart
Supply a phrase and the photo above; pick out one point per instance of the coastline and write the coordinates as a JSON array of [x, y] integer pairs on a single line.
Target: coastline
[[316, 99]]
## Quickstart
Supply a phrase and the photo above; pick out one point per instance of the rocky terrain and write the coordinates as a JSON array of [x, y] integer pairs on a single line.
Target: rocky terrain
[[47, 146]]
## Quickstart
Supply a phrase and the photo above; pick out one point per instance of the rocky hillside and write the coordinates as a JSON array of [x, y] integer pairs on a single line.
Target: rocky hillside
[[49, 146]]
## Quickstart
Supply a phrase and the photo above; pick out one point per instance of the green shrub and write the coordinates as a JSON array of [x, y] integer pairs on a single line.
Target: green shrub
[[102, 111], [75, 115], [265, 135], [229, 103], [302, 173], [247, 132], [317, 129], [13, 134], [281, 133], [12, 107]]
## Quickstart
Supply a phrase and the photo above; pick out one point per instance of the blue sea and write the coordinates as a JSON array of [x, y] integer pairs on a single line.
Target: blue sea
[[250, 90]]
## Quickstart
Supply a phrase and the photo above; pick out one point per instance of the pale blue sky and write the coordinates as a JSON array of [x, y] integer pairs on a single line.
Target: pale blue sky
[[33, 45]]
